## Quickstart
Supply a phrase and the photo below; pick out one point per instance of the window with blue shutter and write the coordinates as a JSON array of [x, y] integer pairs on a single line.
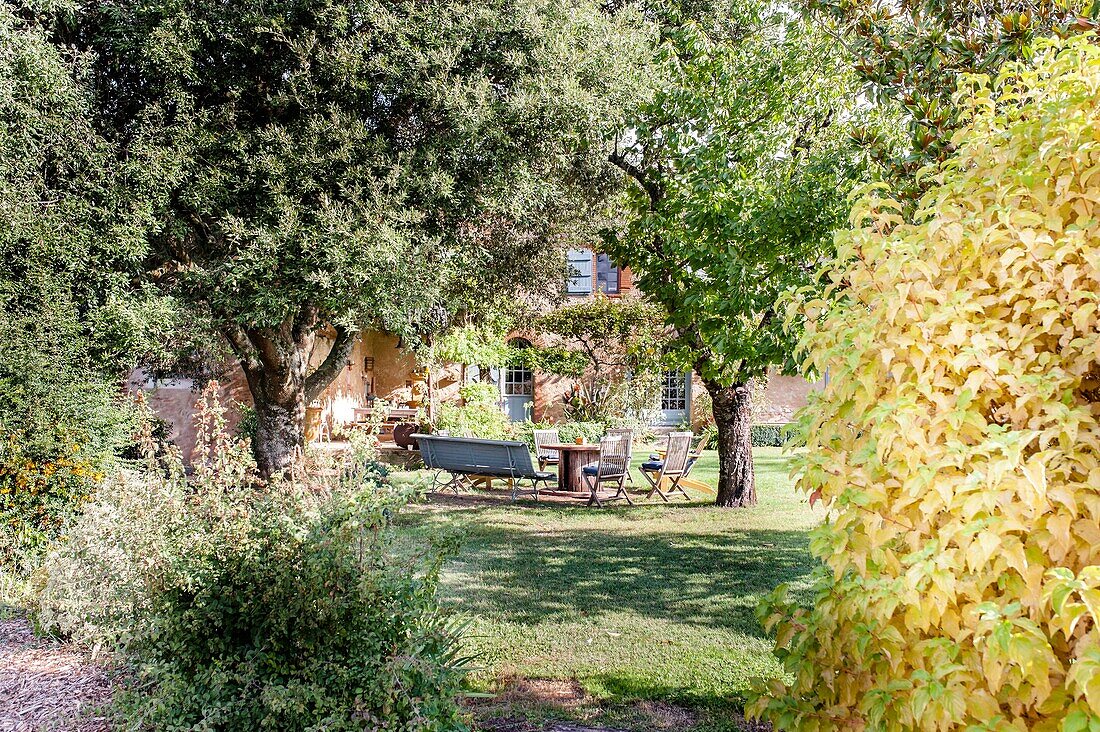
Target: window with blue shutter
[[580, 267]]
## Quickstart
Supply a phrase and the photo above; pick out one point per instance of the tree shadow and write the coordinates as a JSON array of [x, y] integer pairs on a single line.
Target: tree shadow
[[560, 573]]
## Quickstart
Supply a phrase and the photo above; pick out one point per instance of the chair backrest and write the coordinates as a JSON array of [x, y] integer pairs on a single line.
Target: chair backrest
[[614, 455], [546, 437], [677, 451], [474, 456], [627, 434]]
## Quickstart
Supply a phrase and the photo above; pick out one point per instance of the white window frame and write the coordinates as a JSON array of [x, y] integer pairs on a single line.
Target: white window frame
[[674, 381]]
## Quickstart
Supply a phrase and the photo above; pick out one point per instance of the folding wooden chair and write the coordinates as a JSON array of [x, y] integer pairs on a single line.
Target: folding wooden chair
[[545, 456], [628, 435], [675, 466], [613, 466]]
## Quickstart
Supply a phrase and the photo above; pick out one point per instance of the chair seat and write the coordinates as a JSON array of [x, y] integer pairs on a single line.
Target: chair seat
[[543, 475], [594, 469], [653, 465]]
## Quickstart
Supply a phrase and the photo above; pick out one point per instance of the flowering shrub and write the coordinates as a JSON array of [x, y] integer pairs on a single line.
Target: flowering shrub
[[956, 444], [39, 490]]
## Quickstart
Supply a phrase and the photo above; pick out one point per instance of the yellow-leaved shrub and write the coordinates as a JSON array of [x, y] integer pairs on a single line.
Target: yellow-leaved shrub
[[957, 443]]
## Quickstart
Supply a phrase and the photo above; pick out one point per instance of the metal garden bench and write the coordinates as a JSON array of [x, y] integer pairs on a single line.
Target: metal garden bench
[[464, 458]]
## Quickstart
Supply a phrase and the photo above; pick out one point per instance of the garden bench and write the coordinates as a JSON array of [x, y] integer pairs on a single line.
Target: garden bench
[[467, 459]]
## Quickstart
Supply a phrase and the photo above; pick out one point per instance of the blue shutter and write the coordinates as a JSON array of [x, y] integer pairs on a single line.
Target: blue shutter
[[580, 265]]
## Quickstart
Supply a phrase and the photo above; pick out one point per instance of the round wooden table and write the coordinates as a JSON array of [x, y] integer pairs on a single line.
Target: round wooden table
[[573, 457]]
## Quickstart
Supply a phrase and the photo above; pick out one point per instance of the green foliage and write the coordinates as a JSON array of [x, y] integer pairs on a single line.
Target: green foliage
[[68, 321], [273, 607], [480, 416], [606, 333], [485, 345], [771, 435], [286, 620], [910, 56], [553, 360], [347, 163], [739, 164], [954, 446], [600, 342]]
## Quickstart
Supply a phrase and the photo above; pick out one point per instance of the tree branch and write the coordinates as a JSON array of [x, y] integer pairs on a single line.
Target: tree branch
[[336, 359], [652, 188], [242, 347]]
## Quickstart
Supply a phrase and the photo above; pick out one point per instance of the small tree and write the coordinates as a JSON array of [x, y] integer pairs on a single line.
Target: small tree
[[602, 342], [956, 443], [739, 168], [329, 165]]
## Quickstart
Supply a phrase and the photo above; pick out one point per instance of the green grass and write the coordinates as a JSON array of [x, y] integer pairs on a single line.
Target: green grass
[[653, 602]]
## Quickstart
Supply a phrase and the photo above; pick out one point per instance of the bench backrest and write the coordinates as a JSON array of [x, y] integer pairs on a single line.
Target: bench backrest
[[473, 456]]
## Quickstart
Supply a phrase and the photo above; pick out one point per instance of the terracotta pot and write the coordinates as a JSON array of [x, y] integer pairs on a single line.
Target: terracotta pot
[[403, 434]]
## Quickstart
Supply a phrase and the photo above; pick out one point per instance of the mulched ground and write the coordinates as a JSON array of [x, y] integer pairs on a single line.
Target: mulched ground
[[48, 686]]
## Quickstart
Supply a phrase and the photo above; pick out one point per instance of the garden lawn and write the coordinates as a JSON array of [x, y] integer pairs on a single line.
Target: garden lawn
[[652, 602]]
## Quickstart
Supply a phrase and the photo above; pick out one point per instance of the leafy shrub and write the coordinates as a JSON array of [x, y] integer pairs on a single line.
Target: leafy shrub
[[770, 435], [567, 431], [956, 444], [243, 606], [289, 617], [480, 416]]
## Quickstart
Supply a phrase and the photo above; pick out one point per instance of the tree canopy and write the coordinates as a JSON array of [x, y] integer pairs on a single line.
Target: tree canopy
[[910, 56], [741, 163], [317, 164]]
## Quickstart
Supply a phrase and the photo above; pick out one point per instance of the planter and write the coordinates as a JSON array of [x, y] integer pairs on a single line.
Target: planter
[[313, 423], [403, 435]]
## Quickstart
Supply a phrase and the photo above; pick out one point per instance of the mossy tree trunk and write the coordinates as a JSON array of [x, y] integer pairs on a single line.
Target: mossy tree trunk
[[275, 361]]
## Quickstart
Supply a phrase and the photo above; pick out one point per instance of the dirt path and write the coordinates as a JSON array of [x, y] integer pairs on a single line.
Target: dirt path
[[47, 686]]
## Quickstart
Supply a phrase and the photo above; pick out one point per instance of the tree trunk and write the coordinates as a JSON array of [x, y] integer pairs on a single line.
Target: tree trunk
[[733, 417], [280, 431], [276, 364]]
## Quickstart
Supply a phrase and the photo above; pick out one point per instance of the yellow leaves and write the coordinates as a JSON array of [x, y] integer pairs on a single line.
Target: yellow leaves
[[1084, 679], [957, 443]]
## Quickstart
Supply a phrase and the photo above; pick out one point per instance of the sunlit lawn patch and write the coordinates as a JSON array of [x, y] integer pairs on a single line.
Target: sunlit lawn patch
[[654, 602]]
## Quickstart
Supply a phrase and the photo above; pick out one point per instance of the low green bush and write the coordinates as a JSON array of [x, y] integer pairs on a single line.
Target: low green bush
[[241, 606], [292, 617], [479, 416], [771, 435], [567, 431]]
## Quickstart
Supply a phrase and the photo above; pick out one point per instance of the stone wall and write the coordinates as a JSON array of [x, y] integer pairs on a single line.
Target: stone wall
[[173, 400]]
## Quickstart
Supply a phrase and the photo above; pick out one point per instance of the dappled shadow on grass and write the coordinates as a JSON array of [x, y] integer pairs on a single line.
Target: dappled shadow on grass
[[554, 572]]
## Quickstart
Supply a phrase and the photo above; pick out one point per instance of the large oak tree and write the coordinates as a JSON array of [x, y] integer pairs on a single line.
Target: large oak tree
[[323, 166]]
